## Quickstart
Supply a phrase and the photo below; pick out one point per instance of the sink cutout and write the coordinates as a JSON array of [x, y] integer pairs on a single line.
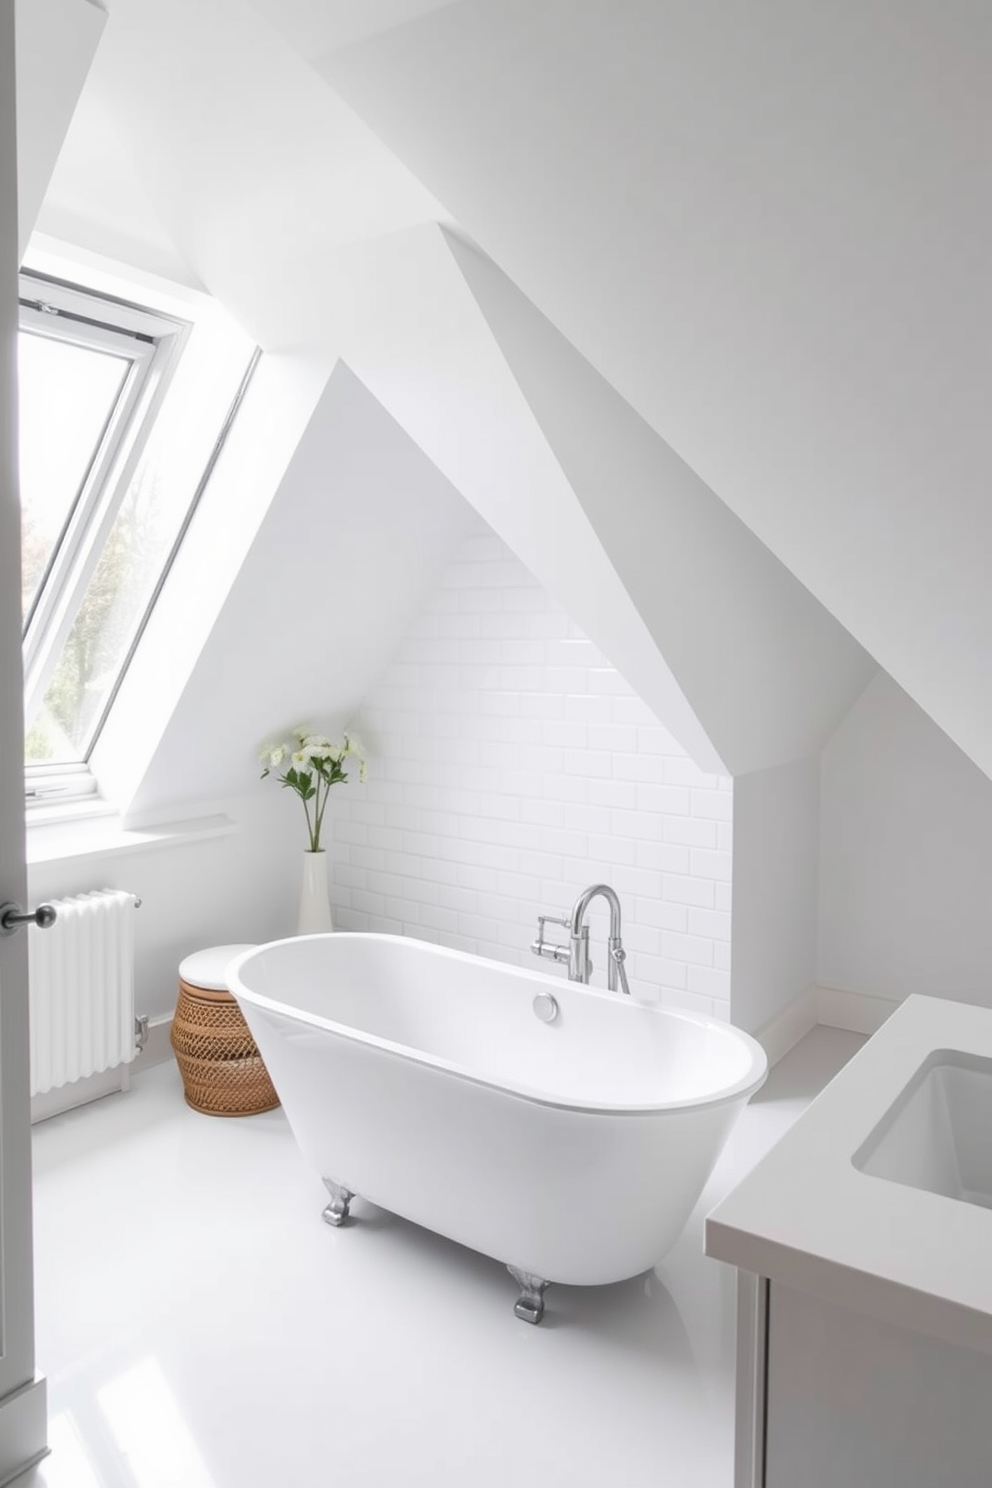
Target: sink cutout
[[937, 1134]]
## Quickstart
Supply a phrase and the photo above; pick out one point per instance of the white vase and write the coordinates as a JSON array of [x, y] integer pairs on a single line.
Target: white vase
[[315, 911]]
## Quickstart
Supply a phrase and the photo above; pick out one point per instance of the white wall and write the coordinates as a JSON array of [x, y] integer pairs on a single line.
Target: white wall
[[906, 857], [776, 844], [512, 766], [356, 533]]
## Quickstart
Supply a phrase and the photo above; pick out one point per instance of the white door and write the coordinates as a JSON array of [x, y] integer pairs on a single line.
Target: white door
[[22, 1397]]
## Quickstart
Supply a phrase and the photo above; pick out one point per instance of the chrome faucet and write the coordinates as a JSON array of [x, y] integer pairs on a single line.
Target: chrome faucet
[[576, 953]]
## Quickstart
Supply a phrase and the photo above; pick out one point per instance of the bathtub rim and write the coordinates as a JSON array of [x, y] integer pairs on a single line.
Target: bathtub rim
[[740, 1090]]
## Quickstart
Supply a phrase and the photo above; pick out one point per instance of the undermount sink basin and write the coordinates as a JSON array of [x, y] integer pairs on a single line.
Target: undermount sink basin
[[937, 1135]]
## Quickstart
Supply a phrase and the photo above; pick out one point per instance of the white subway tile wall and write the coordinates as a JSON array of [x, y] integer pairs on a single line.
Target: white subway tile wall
[[510, 767]]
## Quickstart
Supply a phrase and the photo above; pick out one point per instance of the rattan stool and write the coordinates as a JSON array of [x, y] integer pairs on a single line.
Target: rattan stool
[[222, 1070]]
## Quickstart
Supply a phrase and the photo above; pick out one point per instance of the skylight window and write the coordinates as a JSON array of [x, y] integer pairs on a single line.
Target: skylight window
[[86, 381], [123, 411]]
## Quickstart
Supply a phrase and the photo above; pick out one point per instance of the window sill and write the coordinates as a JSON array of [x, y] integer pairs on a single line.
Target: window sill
[[66, 811], [107, 837]]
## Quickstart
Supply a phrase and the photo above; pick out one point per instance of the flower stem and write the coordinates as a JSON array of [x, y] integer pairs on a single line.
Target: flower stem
[[320, 809]]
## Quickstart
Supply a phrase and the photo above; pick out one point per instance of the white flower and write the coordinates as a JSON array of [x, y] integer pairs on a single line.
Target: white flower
[[353, 745], [312, 763]]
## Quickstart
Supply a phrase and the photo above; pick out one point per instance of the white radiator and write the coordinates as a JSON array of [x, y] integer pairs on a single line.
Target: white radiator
[[82, 994]]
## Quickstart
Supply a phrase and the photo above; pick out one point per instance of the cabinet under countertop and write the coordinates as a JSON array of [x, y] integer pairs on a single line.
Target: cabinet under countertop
[[865, 1304]]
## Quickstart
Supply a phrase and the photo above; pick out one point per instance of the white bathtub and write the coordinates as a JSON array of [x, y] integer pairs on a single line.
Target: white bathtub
[[424, 1080]]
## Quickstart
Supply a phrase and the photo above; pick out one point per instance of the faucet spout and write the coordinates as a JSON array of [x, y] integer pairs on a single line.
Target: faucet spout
[[579, 966]]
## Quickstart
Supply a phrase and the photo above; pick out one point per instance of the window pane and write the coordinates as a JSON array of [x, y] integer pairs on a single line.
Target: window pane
[[75, 693], [66, 394]]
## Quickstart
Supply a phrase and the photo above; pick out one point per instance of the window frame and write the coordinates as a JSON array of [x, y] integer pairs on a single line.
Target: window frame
[[153, 342]]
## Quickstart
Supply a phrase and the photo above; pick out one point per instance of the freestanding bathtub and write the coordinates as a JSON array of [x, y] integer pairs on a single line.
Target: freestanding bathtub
[[565, 1131]]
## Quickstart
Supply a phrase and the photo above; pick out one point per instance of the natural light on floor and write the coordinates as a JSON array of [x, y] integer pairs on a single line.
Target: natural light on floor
[[150, 1432]]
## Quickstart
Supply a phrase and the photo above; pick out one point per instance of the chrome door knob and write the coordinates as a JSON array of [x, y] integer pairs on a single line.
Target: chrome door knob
[[12, 917]]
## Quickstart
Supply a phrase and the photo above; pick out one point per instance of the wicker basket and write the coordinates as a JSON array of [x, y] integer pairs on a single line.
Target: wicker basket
[[222, 1070]]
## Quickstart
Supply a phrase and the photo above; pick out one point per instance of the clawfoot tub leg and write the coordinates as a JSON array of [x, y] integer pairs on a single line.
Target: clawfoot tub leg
[[337, 1211], [529, 1306]]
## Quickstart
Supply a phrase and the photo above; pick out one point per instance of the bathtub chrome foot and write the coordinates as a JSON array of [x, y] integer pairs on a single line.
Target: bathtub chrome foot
[[337, 1211], [529, 1306]]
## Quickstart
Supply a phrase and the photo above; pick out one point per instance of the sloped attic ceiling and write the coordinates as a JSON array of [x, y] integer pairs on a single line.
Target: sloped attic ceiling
[[769, 228], [264, 173], [720, 641], [768, 671], [245, 157], [315, 27]]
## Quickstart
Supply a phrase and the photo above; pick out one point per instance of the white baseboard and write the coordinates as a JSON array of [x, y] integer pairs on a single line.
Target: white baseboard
[[784, 1031], [857, 1012]]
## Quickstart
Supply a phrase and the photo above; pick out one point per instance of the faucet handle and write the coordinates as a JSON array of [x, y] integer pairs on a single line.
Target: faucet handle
[[553, 952], [543, 920], [541, 947]]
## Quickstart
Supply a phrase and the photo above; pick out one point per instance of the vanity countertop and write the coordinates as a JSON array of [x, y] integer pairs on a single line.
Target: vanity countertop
[[808, 1218]]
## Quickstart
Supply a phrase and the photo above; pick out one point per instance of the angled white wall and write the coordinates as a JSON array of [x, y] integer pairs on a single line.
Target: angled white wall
[[277, 407], [408, 325], [775, 878], [241, 153], [99, 198], [313, 27], [55, 43], [770, 230], [355, 534], [906, 857], [767, 670]]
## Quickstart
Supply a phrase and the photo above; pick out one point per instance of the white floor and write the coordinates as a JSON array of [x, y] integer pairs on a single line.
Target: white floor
[[201, 1328]]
